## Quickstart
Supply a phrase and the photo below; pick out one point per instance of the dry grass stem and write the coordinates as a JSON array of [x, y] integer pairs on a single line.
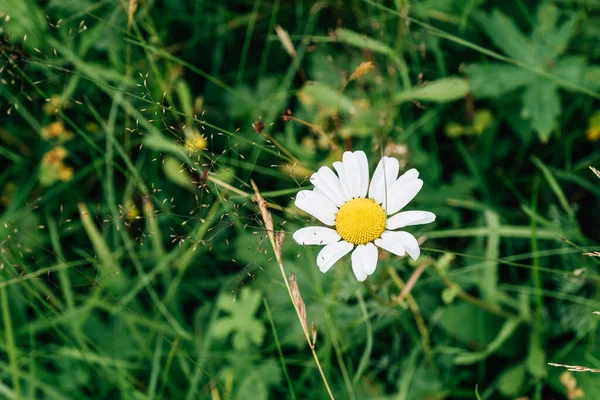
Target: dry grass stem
[[276, 242], [413, 279], [575, 368]]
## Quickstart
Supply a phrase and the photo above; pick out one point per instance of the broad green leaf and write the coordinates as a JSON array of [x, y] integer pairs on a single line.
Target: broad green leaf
[[541, 104], [324, 96], [551, 40], [494, 80], [503, 32], [362, 41], [177, 174], [471, 325], [161, 144], [571, 69], [440, 91], [256, 379], [240, 322], [511, 380], [26, 18], [506, 332], [591, 77], [253, 387]]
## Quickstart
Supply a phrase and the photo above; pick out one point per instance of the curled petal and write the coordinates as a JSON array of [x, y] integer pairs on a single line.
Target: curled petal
[[402, 193], [383, 178], [363, 165], [317, 205], [316, 235], [399, 242], [364, 260], [352, 173], [331, 253], [408, 218], [339, 167], [328, 183]]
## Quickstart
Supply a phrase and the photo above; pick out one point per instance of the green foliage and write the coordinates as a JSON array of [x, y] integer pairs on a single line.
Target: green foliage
[[134, 259], [241, 321], [440, 91], [542, 56]]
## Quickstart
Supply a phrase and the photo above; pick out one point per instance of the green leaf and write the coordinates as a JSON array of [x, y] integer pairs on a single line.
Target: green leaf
[[247, 330], [440, 91], [511, 380], [176, 174], [591, 78], [551, 39], [571, 69], [362, 41], [255, 385], [26, 18], [506, 332], [541, 104], [536, 359], [324, 96], [503, 32], [494, 80]]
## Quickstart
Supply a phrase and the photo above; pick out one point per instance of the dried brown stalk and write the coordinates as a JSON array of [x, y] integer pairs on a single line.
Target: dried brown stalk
[[276, 239]]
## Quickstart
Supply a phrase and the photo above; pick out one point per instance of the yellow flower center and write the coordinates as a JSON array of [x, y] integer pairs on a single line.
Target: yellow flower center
[[360, 221]]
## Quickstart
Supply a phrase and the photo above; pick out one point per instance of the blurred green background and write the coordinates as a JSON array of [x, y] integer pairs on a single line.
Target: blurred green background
[[134, 263]]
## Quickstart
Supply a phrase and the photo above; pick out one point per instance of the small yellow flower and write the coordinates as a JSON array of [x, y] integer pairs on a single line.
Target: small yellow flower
[[593, 132], [56, 130], [7, 193], [196, 143], [130, 209], [54, 156], [92, 127], [54, 104], [65, 173], [53, 169]]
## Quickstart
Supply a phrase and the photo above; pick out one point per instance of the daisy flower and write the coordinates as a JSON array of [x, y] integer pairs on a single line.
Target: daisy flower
[[362, 215]]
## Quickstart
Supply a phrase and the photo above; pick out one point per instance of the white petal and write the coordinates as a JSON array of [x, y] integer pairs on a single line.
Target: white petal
[[328, 183], [317, 205], [410, 244], [339, 167], [331, 253], [363, 165], [357, 265], [402, 193], [364, 259], [409, 176], [383, 178], [391, 245], [316, 235], [408, 218], [352, 173], [399, 242]]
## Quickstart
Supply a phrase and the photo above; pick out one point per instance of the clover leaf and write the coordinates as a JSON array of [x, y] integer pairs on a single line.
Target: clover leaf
[[241, 321], [542, 50]]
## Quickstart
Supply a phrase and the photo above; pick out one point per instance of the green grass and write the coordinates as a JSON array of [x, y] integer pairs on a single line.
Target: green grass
[[133, 267]]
